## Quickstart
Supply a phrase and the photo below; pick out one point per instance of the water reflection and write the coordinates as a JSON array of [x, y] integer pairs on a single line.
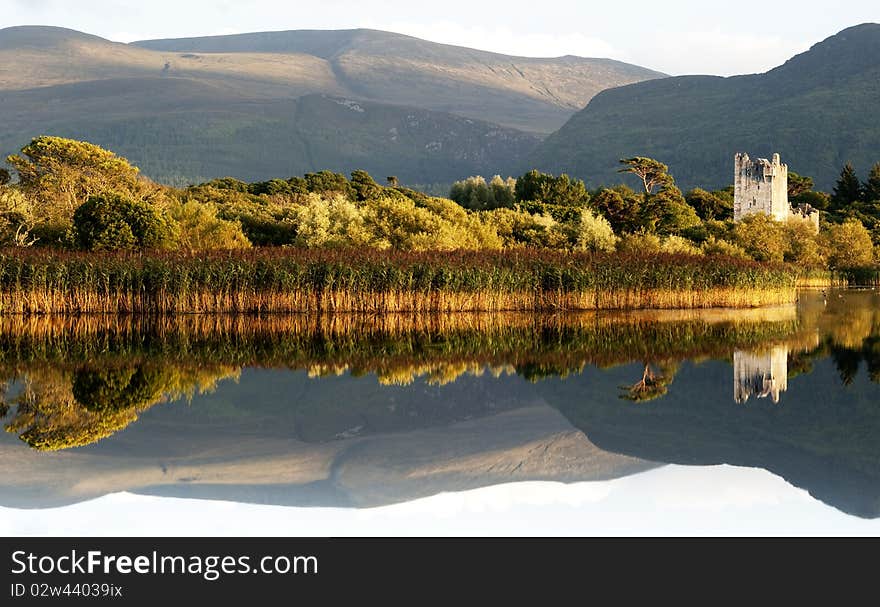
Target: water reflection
[[288, 410]]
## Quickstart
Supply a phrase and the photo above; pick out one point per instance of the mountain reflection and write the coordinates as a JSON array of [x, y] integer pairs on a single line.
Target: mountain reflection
[[280, 403]]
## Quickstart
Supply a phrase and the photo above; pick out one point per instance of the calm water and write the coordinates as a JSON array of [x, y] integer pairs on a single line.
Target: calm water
[[755, 421]]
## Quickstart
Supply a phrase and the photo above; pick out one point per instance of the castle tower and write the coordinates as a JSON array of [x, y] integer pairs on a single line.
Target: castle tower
[[760, 374], [760, 186]]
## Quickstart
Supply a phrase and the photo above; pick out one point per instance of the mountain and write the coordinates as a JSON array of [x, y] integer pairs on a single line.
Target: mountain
[[259, 106], [820, 110], [182, 131], [531, 94], [192, 454]]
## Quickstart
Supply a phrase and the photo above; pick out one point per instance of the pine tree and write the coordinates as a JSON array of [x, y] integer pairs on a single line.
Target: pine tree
[[872, 186], [848, 188]]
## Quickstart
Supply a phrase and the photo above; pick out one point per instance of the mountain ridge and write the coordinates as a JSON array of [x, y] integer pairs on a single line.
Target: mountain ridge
[[817, 109]]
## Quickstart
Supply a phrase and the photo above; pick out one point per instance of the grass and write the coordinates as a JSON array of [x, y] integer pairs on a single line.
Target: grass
[[311, 280]]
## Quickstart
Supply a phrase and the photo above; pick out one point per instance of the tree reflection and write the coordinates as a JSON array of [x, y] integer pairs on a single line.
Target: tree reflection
[[653, 384], [59, 409]]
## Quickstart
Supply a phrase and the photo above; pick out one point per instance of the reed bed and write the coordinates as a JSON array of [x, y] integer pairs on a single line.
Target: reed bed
[[397, 348], [294, 280]]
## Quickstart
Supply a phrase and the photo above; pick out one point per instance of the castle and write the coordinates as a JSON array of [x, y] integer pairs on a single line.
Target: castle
[[761, 186], [760, 374]]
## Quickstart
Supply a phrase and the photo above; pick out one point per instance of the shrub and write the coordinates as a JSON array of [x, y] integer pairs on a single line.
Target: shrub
[[199, 228], [716, 246], [849, 245], [593, 233], [762, 237], [114, 221]]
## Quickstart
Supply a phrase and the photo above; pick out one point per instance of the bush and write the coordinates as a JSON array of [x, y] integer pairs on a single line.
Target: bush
[[332, 222], [803, 245], [762, 237], [679, 245], [639, 244], [849, 244], [593, 233], [114, 221], [198, 228], [716, 246]]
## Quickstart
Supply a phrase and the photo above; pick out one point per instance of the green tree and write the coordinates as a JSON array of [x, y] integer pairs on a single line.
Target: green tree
[[273, 187], [653, 173], [803, 245], [115, 221], [798, 184], [849, 245], [848, 189], [365, 187], [473, 193], [593, 233], [817, 200], [16, 218], [543, 187], [709, 205], [872, 185], [5, 177], [328, 182], [620, 206], [762, 237], [198, 228], [666, 212], [61, 174], [503, 191]]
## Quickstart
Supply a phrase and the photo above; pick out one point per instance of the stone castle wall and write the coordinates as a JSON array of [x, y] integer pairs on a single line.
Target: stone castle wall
[[760, 186]]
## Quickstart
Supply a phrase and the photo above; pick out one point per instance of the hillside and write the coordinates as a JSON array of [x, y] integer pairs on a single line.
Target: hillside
[[286, 103], [194, 131], [527, 93], [819, 110]]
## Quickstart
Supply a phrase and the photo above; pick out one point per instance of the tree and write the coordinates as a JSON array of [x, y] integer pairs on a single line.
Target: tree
[[653, 173], [392, 181], [762, 237], [667, 212], [803, 245], [620, 206], [848, 188], [798, 184], [709, 205], [849, 245], [817, 200], [61, 174], [198, 228], [5, 177], [536, 186], [16, 218], [365, 187], [653, 385], [473, 193], [593, 233], [872, 185], [115, 221], [328, 182], [503, 191]]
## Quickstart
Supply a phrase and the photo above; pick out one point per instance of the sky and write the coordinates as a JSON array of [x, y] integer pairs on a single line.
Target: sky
[[684, 37], [671, 500]]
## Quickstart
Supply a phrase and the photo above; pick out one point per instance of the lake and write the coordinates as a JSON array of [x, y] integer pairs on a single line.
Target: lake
[[653, 422]]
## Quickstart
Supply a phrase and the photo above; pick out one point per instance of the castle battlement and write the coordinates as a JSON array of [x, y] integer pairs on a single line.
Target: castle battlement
[[761, 186]]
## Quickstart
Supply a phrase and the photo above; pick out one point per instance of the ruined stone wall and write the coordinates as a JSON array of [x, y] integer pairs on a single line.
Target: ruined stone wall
[[760, 186]]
